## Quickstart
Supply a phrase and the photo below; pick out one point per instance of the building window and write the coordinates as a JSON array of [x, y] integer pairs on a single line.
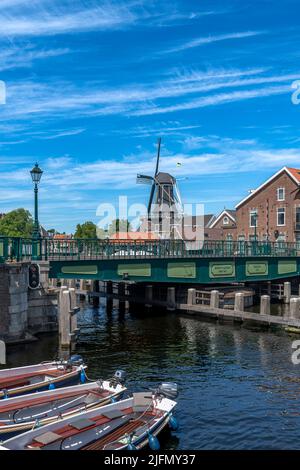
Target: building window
[[280, 216], [253, 218], [225, 221], [297, 218], [280, 194]]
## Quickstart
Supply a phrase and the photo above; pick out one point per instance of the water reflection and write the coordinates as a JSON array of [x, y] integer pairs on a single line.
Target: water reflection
[[238, 387]]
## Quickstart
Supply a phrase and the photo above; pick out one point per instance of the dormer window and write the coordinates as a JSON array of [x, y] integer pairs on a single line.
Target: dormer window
[[225, 220], [280, 194]]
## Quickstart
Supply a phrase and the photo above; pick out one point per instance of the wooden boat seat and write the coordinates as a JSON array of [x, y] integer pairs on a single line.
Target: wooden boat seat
[[82, 423], [47, 438], [142, 401]]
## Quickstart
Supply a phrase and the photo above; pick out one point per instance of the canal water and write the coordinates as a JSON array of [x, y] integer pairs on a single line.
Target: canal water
[[238, 386]]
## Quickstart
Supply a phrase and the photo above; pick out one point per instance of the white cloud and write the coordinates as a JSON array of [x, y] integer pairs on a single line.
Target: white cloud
[[38, 18], [201, 41]]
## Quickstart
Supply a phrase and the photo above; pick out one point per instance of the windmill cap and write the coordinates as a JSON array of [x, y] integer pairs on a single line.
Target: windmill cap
[[165, 178]]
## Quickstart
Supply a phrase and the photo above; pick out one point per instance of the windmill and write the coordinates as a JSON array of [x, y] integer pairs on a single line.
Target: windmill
[[164, 200]]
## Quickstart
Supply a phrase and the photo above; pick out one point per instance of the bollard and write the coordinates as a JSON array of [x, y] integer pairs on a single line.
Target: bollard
[[265, 308], [239, 301], [148, 296], [2, 352], [73, 306], [191, 297], [287, 292], [64, 318], [215, 299], [295, 308], [171, 300]]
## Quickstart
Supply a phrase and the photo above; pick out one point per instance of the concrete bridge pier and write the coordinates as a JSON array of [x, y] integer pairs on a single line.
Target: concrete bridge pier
[[148, 296], [109, 299], [122, 302], [96, 288], [239, 301], [171, 299], [265, 307]]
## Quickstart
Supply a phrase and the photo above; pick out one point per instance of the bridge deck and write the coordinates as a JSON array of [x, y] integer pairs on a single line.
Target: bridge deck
[[159, 260]]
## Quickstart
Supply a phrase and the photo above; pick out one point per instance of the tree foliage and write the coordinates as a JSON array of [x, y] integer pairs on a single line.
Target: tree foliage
[[86, 230], [119, 225], [17, 223]]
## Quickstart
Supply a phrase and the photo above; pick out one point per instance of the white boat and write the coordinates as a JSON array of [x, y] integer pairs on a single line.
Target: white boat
[[130, 424], [23, 413], [38, 377]]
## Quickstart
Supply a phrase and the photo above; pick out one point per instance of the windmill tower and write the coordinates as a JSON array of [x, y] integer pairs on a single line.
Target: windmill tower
[[165, 211]]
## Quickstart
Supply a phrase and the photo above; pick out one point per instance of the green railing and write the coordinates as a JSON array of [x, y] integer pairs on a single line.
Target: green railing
[[22, 249]]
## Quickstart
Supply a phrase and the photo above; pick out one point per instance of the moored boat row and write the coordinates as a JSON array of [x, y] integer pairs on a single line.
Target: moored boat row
[[90, 416]]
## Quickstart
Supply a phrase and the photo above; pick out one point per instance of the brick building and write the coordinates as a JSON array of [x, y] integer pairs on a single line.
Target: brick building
[[222, 227], [272, 211]]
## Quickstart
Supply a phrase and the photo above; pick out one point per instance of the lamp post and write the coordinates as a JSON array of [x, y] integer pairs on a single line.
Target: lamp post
[[36, 174], [255, 232]]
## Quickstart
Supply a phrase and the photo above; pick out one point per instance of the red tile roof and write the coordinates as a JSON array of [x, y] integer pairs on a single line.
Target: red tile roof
[[295, 172], [134, 236]]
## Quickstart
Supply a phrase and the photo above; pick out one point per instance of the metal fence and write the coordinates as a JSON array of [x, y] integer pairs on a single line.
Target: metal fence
[[21, 249]]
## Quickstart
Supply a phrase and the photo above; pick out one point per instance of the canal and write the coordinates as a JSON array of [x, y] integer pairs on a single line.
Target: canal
[[238, 386]]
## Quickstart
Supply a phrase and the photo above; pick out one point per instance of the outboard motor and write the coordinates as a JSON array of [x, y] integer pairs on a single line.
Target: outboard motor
[[120, 376], [76, 360], [168, 390]]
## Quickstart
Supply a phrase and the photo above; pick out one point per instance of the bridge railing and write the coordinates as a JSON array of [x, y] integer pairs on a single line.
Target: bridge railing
[[20, 249]]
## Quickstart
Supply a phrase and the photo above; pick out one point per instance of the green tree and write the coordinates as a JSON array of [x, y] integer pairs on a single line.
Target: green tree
[[17, 223], [119, 225], [86, 230]]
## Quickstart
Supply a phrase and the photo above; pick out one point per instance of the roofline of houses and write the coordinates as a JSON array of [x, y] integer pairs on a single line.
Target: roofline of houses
[[266, 183], [220, 216]]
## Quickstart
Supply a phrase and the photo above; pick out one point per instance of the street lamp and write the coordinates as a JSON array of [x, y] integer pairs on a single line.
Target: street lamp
[[255, 231], [36, 174]]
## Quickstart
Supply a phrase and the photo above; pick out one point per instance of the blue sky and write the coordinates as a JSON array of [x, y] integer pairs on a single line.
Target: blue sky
[[91, 84]]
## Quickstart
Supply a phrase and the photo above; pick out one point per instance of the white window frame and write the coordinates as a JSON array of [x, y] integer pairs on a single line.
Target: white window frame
[[282, 209], [283, 194], [253, 211], [225, 220]]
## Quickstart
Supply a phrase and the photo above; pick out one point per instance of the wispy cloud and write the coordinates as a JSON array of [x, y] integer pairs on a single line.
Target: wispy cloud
[[40, 18], [17, 57], [156, 97], [201, 41]]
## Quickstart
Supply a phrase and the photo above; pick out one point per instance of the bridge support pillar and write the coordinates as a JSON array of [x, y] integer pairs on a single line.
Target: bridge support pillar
[[122, 302], [295, 308], [171, 299], [96, 289], [239, 301], [148, 296], [287, 292], [109, 299], [214, 299], [265, 308]]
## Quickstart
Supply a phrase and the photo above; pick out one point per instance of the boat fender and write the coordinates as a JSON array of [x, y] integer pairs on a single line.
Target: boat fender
[[82, 376], [173, 423], [130, 445], [113, 399], [51, 386], [5, 393], [153, 442]]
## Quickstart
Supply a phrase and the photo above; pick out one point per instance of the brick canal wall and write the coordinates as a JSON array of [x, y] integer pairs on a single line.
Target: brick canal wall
[[24, 312]]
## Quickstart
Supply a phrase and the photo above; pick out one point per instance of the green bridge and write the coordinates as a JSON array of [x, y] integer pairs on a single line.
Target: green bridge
[[158, 261]]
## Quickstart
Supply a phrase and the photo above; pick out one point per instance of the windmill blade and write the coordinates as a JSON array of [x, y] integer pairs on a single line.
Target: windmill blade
[[151, 198], [144, 179], [158, 155]]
